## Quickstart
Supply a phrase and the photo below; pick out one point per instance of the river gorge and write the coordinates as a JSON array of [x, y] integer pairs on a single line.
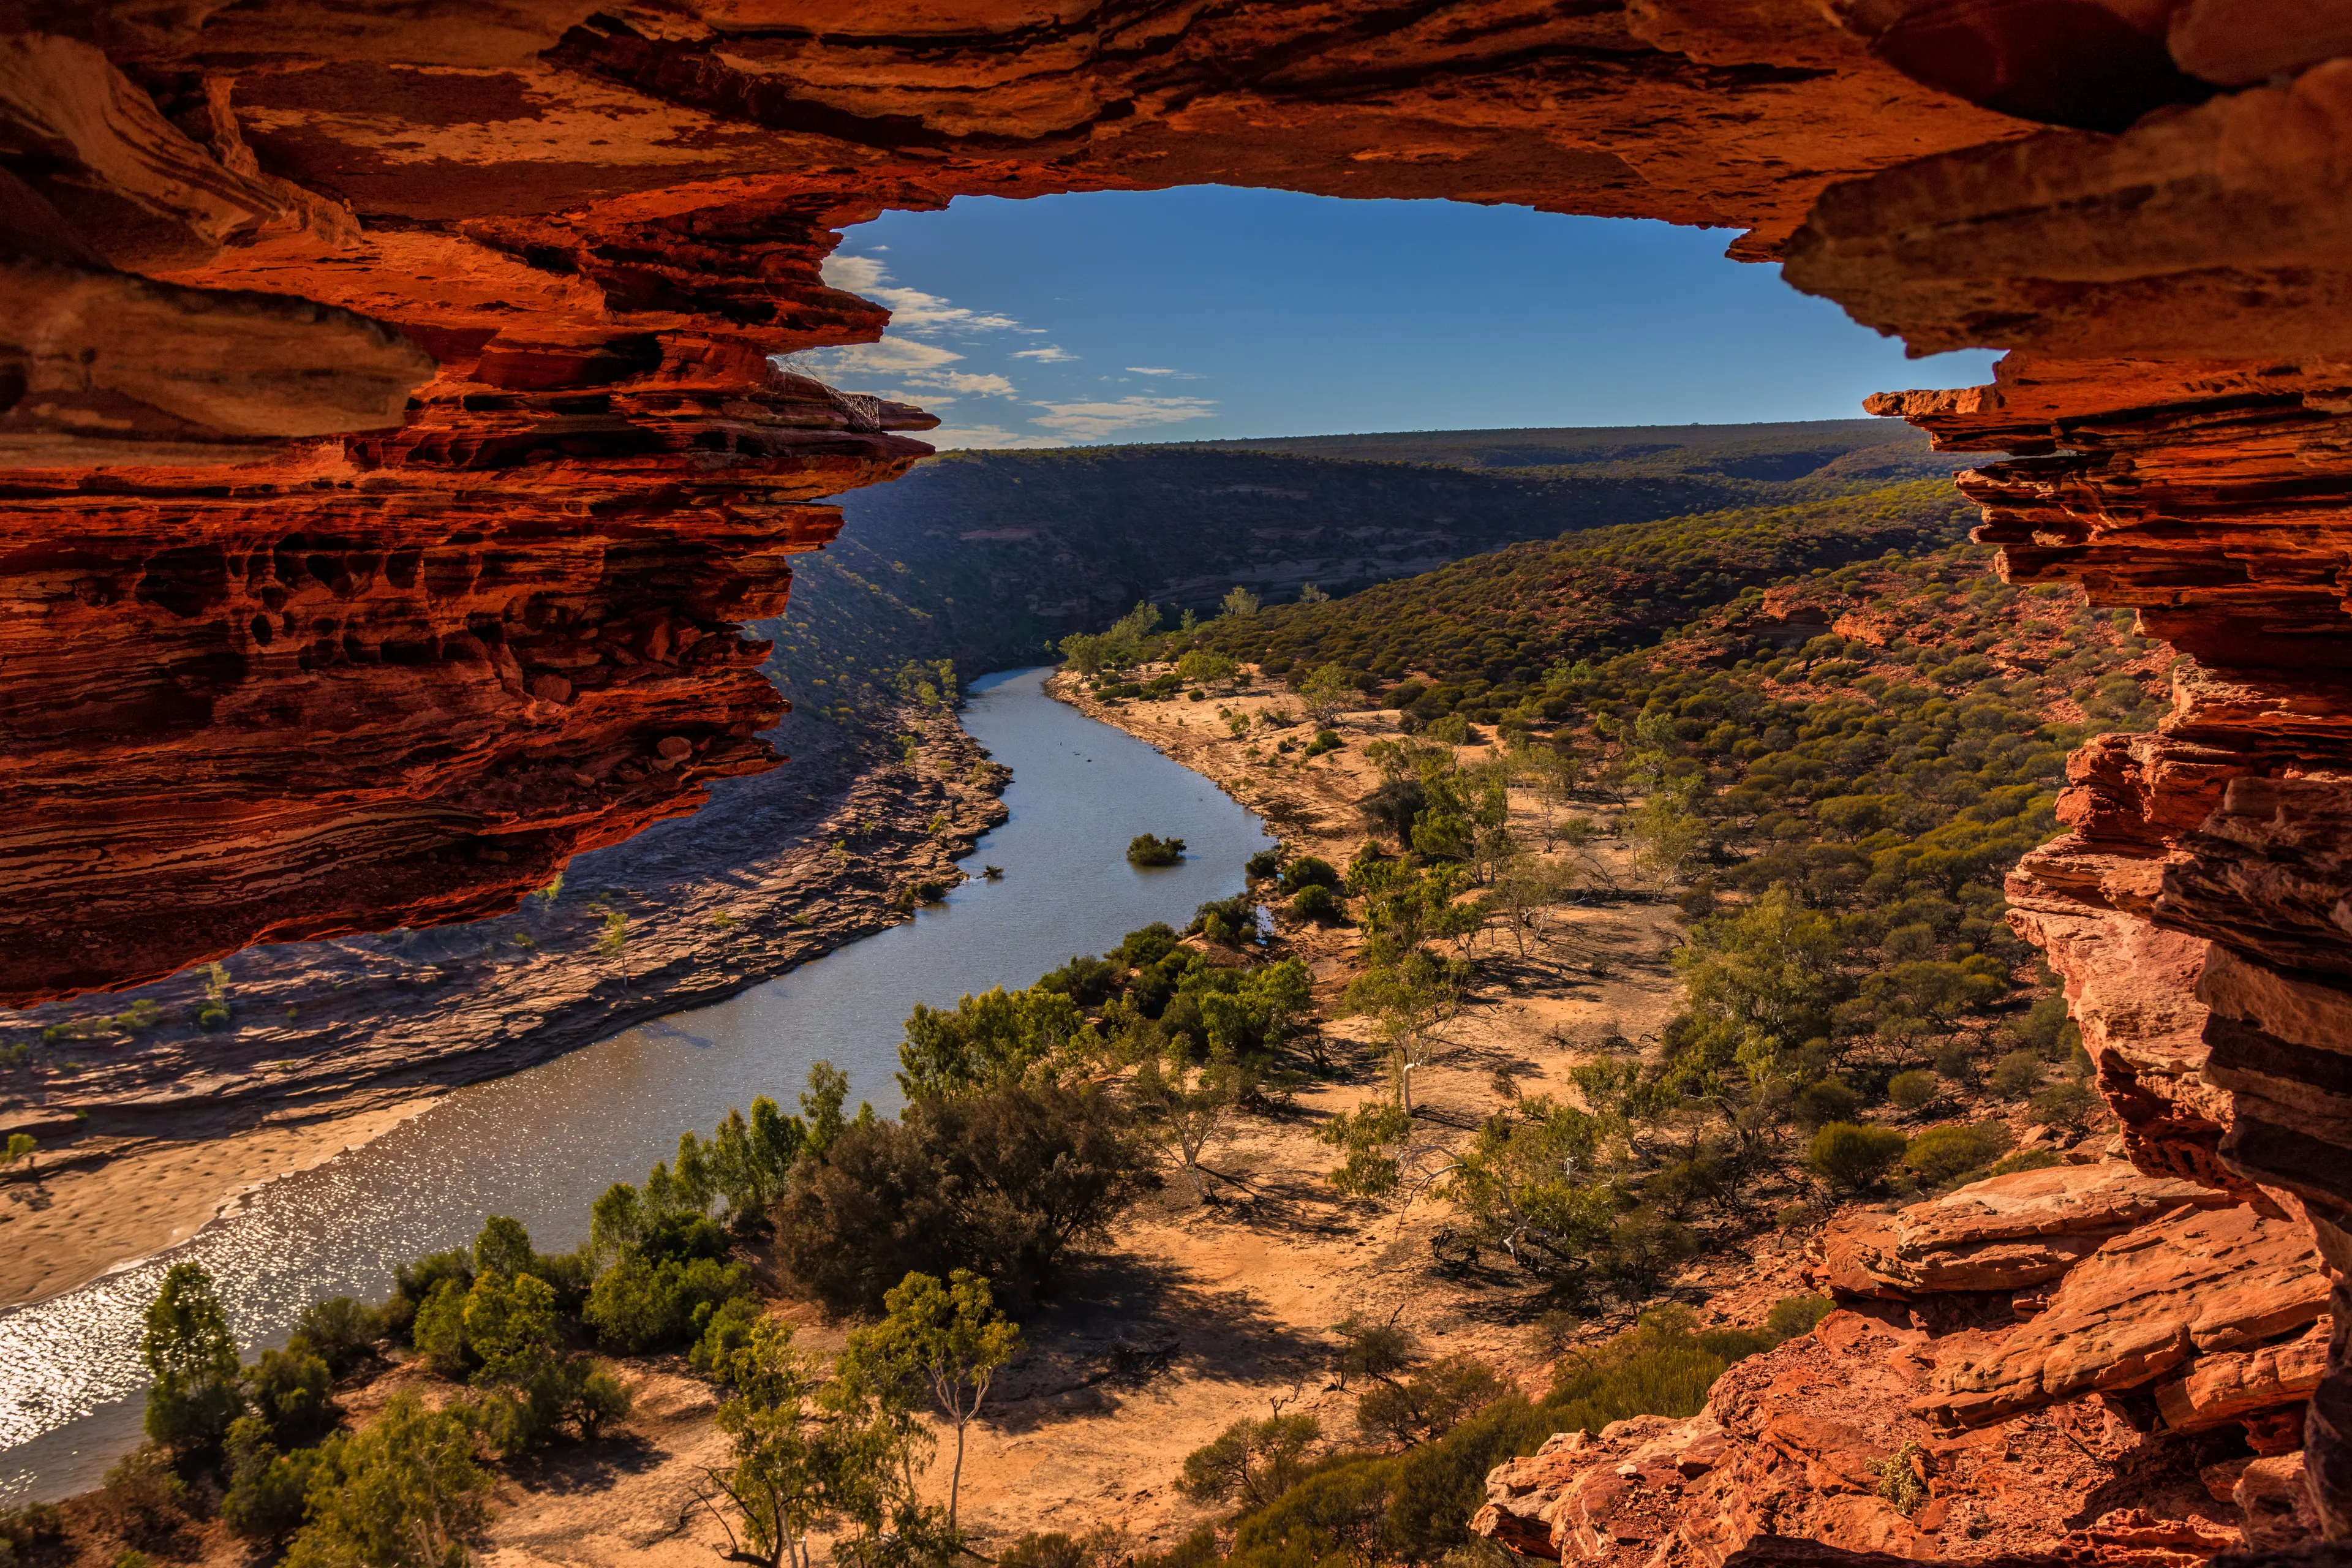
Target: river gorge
[[542, 1144]]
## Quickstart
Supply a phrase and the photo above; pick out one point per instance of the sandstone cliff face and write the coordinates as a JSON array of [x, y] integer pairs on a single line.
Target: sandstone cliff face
[[391, 448]]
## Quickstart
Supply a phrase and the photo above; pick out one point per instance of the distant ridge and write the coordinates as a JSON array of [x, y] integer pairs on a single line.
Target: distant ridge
[[1831, 448]]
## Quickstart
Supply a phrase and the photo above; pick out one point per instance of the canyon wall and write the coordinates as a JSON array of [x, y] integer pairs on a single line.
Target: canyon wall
[[392, 448]]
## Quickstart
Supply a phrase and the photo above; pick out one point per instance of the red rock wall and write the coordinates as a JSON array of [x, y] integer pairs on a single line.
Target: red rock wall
[[283, 653]]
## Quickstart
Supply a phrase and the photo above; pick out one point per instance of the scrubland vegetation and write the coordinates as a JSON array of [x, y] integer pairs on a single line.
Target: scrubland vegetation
[[1819, 733], [1826, 752]]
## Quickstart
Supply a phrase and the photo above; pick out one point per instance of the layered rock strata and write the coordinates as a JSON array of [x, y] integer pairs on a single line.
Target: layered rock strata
[[2079, 1365], [264, 673]]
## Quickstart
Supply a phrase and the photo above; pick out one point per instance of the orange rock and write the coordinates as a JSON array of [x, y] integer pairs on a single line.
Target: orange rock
[[2148, 1305], [1787, 1458], [2003, 1233]]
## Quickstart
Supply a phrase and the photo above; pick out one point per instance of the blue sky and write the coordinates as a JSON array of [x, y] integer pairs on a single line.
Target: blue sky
[[1214, 312]]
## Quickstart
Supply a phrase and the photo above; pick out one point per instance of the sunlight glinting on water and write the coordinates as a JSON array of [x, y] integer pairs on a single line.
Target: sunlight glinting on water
[[541, 1144]]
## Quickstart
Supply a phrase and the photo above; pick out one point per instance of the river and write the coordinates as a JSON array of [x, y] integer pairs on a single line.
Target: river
[[541, 1144]]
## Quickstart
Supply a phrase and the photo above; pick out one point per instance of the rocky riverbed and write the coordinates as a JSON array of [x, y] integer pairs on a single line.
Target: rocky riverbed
[[155, 1106]]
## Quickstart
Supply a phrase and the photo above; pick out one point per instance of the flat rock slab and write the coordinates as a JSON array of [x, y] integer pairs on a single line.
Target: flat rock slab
[[2148, 1305], [1792, 1444], [2012, 1231]]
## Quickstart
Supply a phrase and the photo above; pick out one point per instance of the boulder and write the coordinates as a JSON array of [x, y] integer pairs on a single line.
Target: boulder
[[2004, 1234], [2148, 1305], [2218, 1389], [1790, 1454]]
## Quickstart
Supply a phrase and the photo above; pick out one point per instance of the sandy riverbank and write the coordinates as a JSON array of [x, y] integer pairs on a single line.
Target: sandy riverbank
[[146, 1134]]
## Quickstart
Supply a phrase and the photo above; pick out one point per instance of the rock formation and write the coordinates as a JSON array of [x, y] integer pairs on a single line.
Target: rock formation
[[393, 444], [1949, 1413]]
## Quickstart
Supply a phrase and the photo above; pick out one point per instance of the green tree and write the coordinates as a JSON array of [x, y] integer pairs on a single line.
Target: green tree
[[405, 1492], [1251, 1462], [1239, 603], [1328, 692], [780, 1480], [954, 1339], [1667, 833], [612, 942], [984, 1040], [1409, 1002], [1181, 1106], [1855, 1158], [1370, 1137], [20, 1150], [192, 1358]]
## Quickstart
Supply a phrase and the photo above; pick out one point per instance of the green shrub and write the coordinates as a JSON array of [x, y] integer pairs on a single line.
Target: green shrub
[[2017, 1075], [1944, 1156], [142, 1498], [1310, 871], [1250, 1461], [415, 1282], [405, 1492], [266, 1490], [1149, 850], [1913, 1091], [1146, 946], [1855, 1158], [1314, 903], [1324, 740], [293, 1390], [1823, 1101], [1257, 868], [343, 1330], [1429, 1404], [1053, 1549], [2069, 1104], [439, 1331], [1003, 1181], [639, 1304], [33, 1528], [1954, 1063]]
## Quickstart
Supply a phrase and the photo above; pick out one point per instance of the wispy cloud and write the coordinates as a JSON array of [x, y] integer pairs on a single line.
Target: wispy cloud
[[1096, 421], [1050, 354], [911, 310], [965, 437], [893, 355], [985, 385], [1151, 370], [907, 363]]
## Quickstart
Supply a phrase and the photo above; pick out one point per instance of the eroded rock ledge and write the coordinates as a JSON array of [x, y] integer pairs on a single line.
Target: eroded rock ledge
[[282, 654]]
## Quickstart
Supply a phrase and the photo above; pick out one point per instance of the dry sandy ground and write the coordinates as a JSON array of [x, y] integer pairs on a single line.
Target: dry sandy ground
[[74, 1224]]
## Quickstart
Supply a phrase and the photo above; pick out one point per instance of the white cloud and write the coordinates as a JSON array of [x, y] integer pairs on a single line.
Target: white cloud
[[1049, 354], [1094, 421], [986, 386], [1149, 370], [907, 364], [857, 274], [911, 310], [891, 356], [965, 437]]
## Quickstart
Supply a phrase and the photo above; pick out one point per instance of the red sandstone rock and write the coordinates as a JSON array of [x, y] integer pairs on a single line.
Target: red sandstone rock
[[227, 716], [2025, 1229], [2228, 1387], [2148, 1305], [1789, 1448]]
